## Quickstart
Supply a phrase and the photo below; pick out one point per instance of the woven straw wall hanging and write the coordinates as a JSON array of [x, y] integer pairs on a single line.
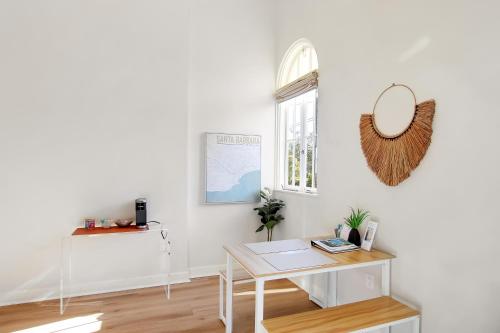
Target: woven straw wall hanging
[[392, 157]]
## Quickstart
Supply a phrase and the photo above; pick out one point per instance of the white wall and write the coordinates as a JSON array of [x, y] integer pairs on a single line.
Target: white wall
[[87, 85], [230, 86], [94, 108], [93, 115], [441, 222]]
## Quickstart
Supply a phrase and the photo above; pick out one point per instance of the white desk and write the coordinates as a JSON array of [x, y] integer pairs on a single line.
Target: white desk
[[262, 271]]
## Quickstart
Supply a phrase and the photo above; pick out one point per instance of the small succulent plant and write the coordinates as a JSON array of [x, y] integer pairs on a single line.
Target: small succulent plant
[[356, 218]]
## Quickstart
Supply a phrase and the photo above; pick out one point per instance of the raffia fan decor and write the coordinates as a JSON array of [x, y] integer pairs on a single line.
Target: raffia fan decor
[[393, 157]]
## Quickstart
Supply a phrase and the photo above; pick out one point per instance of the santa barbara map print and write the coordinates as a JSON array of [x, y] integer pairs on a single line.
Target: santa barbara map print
[[232, 168]]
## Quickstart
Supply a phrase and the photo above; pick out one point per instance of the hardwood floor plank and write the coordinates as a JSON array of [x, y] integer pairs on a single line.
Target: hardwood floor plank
[[193, 308]]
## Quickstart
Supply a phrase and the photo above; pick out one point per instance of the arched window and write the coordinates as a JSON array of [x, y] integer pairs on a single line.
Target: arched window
[[296, 99], [299, 60]]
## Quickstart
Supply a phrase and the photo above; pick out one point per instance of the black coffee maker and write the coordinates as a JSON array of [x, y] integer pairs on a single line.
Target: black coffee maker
[[141, 218]]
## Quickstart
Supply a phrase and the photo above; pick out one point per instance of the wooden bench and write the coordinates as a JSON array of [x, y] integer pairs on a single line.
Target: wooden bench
[[362, 316], [240, 276]]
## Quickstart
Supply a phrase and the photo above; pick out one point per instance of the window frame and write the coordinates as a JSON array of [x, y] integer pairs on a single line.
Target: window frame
[[288, 61], [282, 165]]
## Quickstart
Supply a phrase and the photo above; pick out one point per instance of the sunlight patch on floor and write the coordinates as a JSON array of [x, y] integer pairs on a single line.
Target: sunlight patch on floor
[[82, 324], [266, 292]]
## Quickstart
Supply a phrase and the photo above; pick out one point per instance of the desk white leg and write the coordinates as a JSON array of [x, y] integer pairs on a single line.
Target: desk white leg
[[259, 305], [416, 325], [70, 269], [168, 286], [229, 294], [65, 289], [165, 264], [221, 298], [386, 284], [386, 278], [169, 253], [61, 280]]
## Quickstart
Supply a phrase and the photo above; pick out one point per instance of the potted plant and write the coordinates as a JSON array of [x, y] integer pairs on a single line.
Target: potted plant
[[354, 221], [268, 213]]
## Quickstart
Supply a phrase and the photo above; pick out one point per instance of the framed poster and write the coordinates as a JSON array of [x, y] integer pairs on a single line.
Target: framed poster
[[232, 169], [367, 240]]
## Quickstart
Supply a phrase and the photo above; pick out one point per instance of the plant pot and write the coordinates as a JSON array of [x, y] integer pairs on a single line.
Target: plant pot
[[354, 237]]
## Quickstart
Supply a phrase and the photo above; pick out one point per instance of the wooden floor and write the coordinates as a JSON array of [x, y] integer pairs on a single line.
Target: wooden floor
[[193, 307]]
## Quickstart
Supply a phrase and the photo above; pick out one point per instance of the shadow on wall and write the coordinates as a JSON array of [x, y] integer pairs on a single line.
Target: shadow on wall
[[32, 285], [416, 48]]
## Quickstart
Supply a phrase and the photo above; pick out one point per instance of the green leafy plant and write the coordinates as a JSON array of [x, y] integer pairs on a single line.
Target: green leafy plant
[[356, 218], [269, 213]]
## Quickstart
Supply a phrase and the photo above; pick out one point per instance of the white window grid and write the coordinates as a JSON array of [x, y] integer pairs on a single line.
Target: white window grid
[[293, 114]]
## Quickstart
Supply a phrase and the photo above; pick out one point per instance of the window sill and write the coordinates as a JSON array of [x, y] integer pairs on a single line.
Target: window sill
[[303, 194]]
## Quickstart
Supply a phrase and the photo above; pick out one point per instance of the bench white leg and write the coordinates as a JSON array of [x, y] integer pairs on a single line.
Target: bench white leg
[[259, 306], [229, 294]]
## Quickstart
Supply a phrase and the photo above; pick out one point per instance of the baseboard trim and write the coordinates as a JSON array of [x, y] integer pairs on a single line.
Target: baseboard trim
[[101, 287], [44, 294]]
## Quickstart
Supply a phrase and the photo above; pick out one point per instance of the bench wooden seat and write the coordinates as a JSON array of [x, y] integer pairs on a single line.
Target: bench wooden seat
[[355, 317]]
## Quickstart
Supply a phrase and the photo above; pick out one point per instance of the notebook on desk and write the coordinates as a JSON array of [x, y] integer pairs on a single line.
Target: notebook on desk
[[291, 260], [278, 246], [334, 245]]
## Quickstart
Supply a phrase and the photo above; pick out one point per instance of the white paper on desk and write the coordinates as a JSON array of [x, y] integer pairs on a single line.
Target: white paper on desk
[[278, 246], [286, 261]]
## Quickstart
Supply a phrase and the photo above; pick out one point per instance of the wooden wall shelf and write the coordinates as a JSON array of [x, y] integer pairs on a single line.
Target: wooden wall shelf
[[110, 230]]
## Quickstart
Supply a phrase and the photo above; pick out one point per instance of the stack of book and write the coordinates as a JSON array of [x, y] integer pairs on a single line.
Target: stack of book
[[334, 245]]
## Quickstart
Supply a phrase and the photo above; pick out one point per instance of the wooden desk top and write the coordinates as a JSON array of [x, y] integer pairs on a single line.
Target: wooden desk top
[[258, 267]]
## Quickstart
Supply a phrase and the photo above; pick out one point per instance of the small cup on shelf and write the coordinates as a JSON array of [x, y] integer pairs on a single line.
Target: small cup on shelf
[[90, 223], [107, 223]]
